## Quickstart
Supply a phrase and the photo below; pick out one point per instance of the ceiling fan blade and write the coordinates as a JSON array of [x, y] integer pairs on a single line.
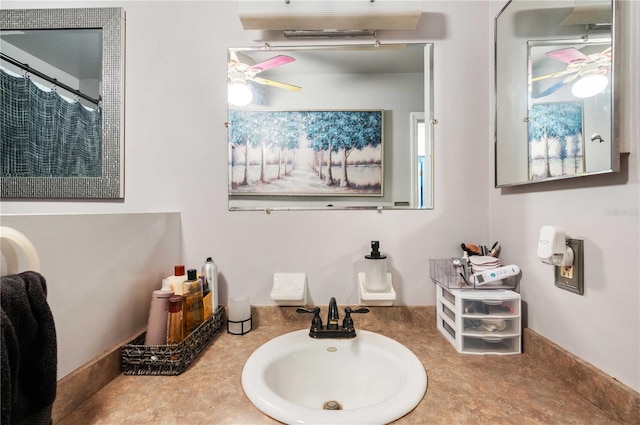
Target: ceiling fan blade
[[553, 75], [568, 55], [554, 88], [603, 58], [233, 58], [271, 63], [276, 84]]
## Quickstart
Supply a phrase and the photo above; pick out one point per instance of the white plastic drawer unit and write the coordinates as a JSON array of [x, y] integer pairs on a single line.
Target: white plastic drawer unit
[[480, 321], [491, 345]]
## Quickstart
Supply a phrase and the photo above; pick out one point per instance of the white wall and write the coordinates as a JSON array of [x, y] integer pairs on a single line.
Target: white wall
[[176, 161], [176, 156], [101, 270], [602, 326]]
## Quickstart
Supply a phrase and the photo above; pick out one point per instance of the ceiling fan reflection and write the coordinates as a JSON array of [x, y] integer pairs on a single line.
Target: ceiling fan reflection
[[589, 70], [239, 71]]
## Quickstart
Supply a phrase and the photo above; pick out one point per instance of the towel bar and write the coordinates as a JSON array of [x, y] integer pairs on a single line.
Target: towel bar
[[12, 258]]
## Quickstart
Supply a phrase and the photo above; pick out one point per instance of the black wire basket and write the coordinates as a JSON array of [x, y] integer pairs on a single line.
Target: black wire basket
[[170, 359]]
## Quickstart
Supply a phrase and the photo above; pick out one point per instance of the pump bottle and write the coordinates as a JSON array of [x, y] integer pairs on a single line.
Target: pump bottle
[[375, 274], [193, 311]]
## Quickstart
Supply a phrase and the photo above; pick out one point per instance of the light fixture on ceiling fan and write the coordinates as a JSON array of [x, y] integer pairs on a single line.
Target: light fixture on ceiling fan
[[590, 84], [240, 93]]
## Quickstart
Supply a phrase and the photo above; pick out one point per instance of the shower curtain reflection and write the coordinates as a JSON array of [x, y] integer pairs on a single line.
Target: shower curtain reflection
[[46, 135]]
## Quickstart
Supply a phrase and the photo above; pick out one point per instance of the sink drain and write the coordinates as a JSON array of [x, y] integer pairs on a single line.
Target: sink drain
[[332, 405]]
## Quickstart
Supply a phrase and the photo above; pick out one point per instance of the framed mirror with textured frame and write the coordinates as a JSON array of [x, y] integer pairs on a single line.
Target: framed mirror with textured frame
[[30, 170]]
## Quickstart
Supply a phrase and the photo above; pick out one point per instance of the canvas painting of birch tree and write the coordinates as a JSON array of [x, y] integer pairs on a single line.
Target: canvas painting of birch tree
[[556, 144], [306, 153]]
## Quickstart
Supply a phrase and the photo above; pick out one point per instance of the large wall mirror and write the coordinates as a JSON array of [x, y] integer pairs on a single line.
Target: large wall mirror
[[345, 126], [555, 91], [62, 93]]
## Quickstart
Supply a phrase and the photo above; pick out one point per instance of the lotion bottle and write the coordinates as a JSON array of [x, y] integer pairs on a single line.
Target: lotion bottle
[[193, 311], [157, 323], [175, 281]]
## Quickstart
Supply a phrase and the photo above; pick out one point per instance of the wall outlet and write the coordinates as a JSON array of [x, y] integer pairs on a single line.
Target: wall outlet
[[566, 272], [571, 278]]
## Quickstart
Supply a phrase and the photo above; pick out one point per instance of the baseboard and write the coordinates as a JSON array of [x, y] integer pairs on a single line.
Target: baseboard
[[81, 384], [614, 398]]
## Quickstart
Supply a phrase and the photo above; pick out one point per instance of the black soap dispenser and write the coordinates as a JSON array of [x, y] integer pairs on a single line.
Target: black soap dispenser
[[375, 272]]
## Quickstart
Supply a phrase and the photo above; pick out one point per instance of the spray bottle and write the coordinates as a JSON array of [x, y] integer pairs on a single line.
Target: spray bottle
[[210, 273]]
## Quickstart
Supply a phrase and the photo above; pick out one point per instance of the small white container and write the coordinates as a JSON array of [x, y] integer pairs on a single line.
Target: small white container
[[240, 315]]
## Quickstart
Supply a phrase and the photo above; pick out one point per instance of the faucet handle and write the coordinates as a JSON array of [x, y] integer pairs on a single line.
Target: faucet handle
[[360, 310], [347, 323], [315, 310], [316, 322]]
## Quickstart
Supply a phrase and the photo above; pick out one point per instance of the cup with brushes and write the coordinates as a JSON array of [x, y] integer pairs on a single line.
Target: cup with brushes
[[480, 266]]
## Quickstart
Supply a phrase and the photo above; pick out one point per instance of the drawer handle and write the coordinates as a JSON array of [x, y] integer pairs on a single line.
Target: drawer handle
[[492, 339]]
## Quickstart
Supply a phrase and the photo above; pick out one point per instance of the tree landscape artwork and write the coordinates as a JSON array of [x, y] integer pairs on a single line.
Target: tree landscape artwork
[[306, 153], [555, 140]]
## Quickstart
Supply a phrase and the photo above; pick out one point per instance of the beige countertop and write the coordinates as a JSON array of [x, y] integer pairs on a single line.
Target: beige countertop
[[462, 389]]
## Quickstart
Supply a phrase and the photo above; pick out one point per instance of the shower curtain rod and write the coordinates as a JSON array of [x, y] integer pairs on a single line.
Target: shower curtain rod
[[52, 80]]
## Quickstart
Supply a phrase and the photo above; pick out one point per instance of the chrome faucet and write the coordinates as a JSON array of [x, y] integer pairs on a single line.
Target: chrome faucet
[[332, 330]]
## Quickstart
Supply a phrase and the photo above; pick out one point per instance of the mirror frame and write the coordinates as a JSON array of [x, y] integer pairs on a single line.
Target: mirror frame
[[514, 105], [111, 183], [427, 115]]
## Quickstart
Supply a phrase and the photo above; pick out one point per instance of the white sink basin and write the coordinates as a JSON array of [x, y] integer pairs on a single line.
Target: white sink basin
[[374, 379]]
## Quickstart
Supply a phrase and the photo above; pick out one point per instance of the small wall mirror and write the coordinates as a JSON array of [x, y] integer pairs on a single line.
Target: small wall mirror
[[555, 90], [330, 127], [67, 65]]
